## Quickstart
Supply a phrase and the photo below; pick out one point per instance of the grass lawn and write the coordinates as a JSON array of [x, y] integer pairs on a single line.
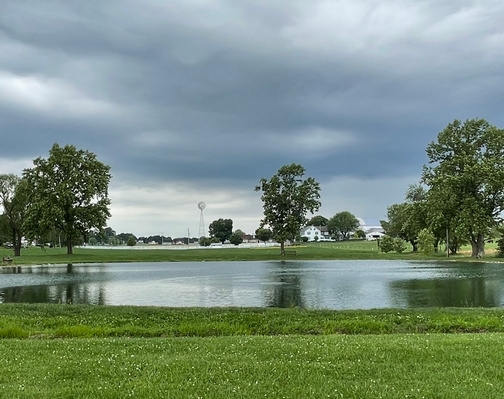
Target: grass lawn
[[308, 251], [335, 366], [249, 353]]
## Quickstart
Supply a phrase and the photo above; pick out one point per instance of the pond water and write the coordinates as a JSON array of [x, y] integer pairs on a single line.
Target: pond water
[[335, 284]]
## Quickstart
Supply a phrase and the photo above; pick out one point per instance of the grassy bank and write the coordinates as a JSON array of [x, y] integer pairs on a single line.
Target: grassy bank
[[83, 321], [249, 353], [311, 251], [336, 366]]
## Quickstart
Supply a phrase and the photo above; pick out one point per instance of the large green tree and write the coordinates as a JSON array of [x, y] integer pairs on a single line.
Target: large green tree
[[405, 220], [342, 225], [263, 234], [13, 199], [69, 192], [287, 198], [236, 238], [221, 229], [467, 166], [318, 220]]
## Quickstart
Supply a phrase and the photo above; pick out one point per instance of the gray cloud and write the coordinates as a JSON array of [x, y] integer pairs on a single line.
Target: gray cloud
[[209, 96]]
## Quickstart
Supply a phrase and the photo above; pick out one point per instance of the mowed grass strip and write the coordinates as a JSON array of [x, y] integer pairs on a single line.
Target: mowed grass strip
[[336, 366], [23, 321], [307, 251]]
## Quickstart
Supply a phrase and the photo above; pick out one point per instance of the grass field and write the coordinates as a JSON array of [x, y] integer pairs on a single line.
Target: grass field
[[311, 251], [249, 353], [382, 366]]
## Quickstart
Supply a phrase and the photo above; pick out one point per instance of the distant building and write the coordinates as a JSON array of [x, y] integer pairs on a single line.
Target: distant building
[[372, 228], [311, 232], [374, 235], [249, 238]]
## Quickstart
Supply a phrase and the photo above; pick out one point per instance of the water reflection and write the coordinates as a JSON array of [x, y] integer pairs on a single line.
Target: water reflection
[[304, 284], [285, 291], [63, 284], [455, 285]]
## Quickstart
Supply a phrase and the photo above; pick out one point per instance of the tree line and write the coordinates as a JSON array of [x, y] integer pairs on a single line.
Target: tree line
[[459, 199]]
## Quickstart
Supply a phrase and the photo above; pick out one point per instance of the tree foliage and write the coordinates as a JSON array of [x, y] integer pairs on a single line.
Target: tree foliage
[[263, 234], [221, 229], [236, 238], [240, 233], [287, 198], [205, 241], [69, 192], [360, 234], [122, 238], [426, 241], [406, 219], [466, 178], [13, 199], [386, 244], [317, 221], [342, 225], [399, 245]]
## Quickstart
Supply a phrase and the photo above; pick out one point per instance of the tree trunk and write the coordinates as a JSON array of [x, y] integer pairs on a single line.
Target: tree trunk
[[478, 246], [282, 248], [454, 246], [17, 245], [69, 246], [414, 244]]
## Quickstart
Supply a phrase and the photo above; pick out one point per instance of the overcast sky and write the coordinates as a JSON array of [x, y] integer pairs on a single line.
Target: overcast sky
[[196, 100]]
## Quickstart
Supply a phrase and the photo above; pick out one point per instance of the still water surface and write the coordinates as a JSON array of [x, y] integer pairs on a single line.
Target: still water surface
[[309, 284]]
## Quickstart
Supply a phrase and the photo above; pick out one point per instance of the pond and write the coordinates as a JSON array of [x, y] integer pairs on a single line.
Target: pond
[[334, 284]]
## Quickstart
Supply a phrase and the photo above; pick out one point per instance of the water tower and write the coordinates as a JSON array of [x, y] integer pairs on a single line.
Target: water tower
[[201, 232]]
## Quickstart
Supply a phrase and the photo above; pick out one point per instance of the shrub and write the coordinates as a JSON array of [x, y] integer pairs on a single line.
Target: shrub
[[360, 234], [131, 241], [205, 241], [426, 241], [304, 238], [399, 245], [386, 244], [236, 239]]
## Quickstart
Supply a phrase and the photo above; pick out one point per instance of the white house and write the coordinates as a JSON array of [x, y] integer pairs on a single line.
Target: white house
[[374, 235], [315, 231], [370, 225]]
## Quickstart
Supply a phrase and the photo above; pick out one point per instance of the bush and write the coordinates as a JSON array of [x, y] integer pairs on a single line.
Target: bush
[[426, 241], [359, 234], [399, 245], [131, 241], [205, 241], [305, 239], [386, 244], [236, 239]]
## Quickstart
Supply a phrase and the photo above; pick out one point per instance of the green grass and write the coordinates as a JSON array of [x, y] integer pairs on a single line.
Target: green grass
[[311, 251], [336, 366], [67, 351], [85, 321]]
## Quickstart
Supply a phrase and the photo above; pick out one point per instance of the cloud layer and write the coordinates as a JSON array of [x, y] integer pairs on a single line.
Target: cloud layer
[[196, 100]]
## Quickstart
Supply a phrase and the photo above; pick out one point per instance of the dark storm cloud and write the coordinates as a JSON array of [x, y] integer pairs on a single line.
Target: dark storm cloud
[[196, 90]]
